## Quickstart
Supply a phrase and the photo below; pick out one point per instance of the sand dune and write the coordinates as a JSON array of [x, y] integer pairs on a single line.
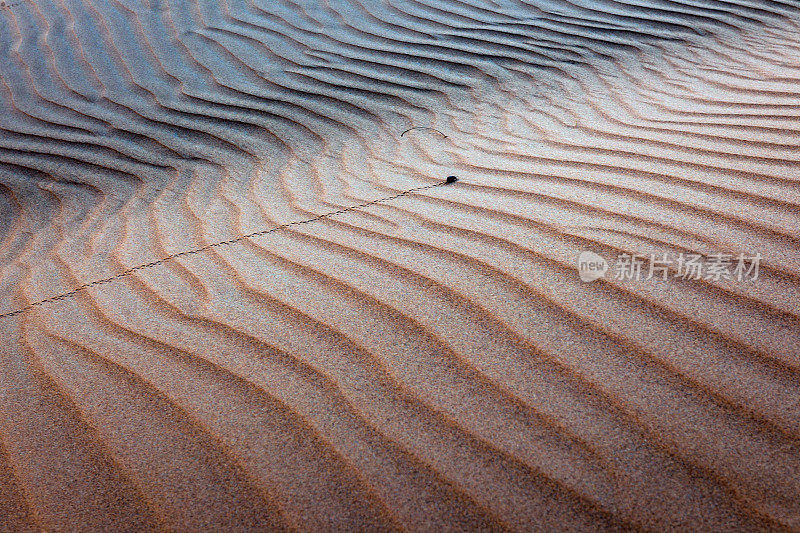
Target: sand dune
[[427, 362]]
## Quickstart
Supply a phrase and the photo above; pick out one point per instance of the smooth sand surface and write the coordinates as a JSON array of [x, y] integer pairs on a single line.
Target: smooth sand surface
[[427, 363]]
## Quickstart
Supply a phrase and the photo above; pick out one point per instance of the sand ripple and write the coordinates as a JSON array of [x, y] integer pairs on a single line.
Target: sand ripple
[[429, 363]]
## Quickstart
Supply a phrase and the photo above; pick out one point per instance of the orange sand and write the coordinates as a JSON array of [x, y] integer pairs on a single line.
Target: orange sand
[[429, 363]]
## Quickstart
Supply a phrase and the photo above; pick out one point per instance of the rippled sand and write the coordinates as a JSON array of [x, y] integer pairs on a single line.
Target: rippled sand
[[431, 362]]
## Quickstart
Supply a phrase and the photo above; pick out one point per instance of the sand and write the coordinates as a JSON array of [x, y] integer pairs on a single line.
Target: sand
[[430, 361]]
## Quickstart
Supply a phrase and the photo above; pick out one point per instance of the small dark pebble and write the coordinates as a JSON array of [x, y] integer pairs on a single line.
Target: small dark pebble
[[451, 179]]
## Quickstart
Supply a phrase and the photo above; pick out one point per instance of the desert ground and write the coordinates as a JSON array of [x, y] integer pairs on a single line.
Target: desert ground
[[237, 293]]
